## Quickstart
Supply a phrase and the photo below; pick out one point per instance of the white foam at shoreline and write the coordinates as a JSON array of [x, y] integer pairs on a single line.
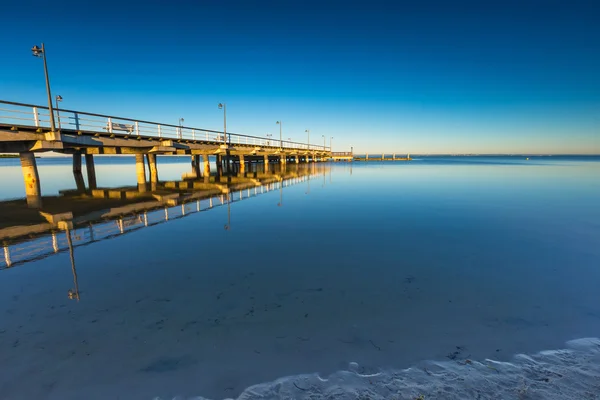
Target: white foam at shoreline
[[572, 373]]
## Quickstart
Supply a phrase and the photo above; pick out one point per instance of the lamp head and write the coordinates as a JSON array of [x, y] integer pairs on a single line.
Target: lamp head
[[36, 51], [220, 106], [277, 122], [58, 97]]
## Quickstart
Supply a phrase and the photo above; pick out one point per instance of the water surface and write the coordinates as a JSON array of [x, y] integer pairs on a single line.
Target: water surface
[[380, 264]]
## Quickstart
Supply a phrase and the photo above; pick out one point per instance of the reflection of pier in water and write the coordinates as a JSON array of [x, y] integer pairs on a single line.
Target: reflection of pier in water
[[65, 231]]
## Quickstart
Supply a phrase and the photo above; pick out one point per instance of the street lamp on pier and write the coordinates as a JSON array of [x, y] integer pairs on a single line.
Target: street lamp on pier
[[331, 143], [280, 140], [58, 98], [324, 145], [41, 52], [181, 128], [308, 138], [223, 106]]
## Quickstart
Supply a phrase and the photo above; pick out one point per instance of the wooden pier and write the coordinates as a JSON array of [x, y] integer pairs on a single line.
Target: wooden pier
[[29, 129]]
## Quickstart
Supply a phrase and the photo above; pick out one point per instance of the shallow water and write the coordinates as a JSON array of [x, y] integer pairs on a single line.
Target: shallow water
[[381, 264]]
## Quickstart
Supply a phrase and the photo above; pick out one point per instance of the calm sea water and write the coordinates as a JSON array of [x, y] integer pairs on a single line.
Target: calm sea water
[[367, 268]]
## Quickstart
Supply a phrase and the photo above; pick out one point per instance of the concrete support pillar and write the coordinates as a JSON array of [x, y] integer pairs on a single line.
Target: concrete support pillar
[[153, 168], [282, 158], [79, 182], [140, 171], [196, 165], [206, 168], [32, 180], [91, 171], [383, 157], [367, 157], [297, 158], [266, 163], [219, 161], [242, 164]]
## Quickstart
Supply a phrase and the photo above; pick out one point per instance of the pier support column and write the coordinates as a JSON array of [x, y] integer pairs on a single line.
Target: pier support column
[[266, 163], [282, 158], [367, 157], [206, 162], [32, 180], [297, 159], [79, 182], [242, 164], [140, 171], [153, 168], [196, 165], [91, 171], [394, 157], [219, 162]]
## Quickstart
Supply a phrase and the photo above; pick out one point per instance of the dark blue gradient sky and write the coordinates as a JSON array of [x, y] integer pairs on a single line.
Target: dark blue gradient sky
[[422, 76]]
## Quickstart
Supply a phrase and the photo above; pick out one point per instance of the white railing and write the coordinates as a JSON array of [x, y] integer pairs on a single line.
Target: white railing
[[21, 115]]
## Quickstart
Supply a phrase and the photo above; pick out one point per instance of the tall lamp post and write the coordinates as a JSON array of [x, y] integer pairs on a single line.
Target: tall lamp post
[[331, 143], [181, 128], [280, 139], [58, 98], [223, 106], [37, 52], [324, 145], [308, 138]]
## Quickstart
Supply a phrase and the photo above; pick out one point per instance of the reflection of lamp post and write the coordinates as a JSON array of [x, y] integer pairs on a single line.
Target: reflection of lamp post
[[224, 107], [280, 140], [58, 98], [73, 293], [181, 128], [37, 52], [280, 193], [228, 224]]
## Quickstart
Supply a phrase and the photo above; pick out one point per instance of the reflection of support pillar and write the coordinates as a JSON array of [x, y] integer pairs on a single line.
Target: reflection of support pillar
[[140, 171], [7, 256], [32, 180], [206, 168], [242, 165], [91, 171], [77, 172], [153, 170], [197, 166]]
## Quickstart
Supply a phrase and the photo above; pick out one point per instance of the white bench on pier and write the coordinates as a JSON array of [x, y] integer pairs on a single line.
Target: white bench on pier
[[114, 126]]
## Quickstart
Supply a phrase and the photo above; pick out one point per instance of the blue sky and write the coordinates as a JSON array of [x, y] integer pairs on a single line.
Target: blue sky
[[418, 77]]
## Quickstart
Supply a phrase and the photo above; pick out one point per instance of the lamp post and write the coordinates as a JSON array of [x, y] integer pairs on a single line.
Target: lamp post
[[37, 52], [181, 128], [58, 98], [331, 143], [224, 107], [324, 145], [308, 138], [280, 140]]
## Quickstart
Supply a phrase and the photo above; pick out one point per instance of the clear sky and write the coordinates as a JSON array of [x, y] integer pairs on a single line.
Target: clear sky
[[419, 76]]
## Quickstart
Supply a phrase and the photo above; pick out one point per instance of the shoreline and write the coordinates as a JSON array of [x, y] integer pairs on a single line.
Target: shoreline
[[551, 374]]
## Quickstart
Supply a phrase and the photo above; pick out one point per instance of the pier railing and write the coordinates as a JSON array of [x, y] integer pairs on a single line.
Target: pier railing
[[20, 115]]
